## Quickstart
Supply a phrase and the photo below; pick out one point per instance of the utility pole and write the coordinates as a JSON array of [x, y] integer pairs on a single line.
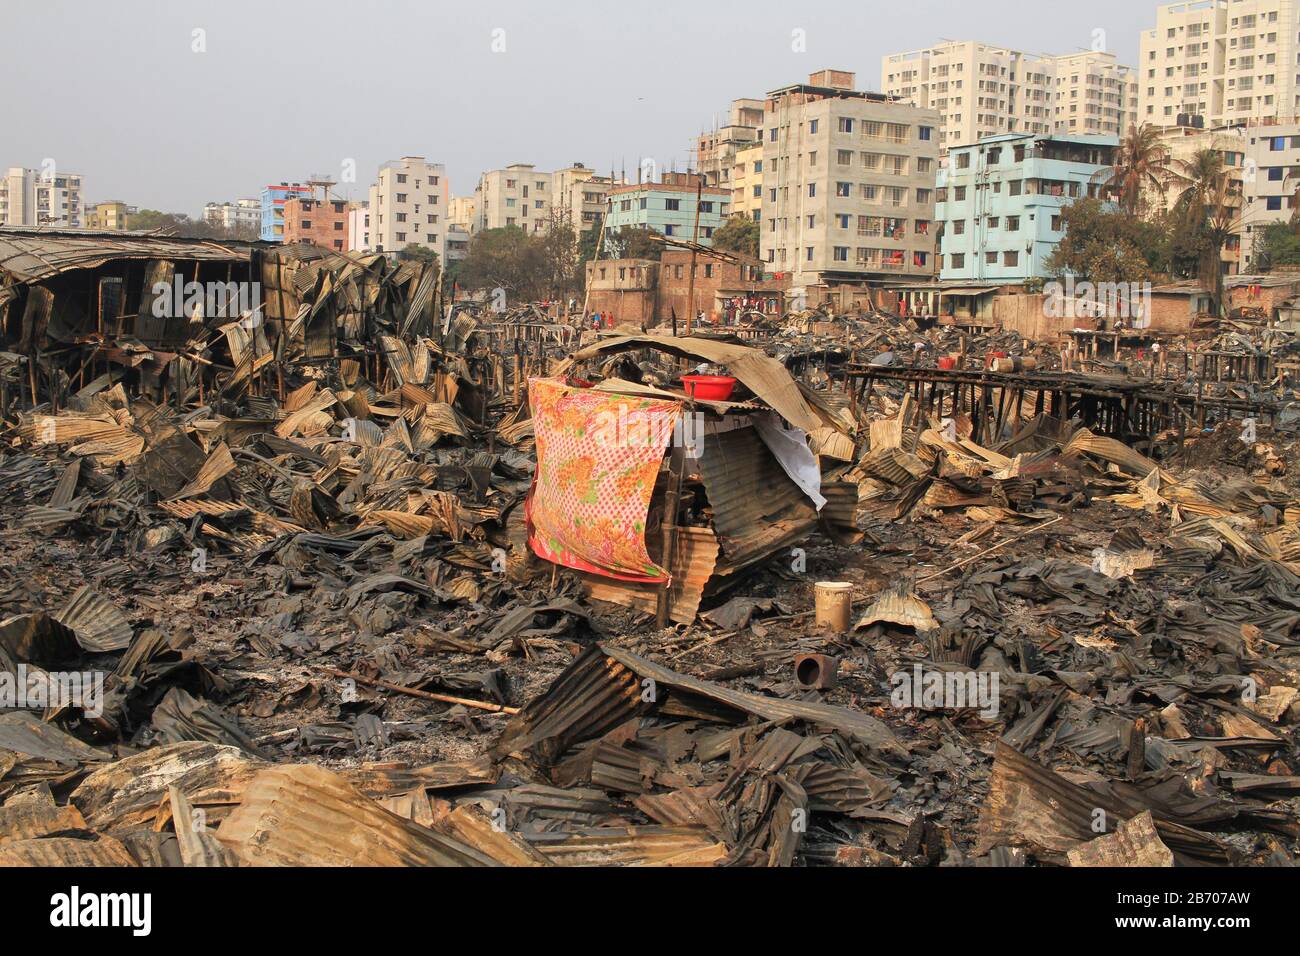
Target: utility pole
[[695, 241]]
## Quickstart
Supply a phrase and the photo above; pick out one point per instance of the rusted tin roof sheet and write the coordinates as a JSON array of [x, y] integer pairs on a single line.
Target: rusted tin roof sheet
[[30, 255]]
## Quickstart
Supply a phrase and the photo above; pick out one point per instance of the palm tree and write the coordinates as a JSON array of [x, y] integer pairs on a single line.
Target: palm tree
[[1209, 202], [1141, 166]]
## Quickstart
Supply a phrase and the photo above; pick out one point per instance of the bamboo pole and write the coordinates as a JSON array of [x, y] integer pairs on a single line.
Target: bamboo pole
[[423, 694]]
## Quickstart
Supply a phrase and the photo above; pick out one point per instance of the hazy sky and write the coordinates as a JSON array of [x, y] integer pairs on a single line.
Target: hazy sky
[[116, 92]]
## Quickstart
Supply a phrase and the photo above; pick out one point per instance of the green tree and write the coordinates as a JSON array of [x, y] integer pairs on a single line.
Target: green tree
[[1208, 203], [1141, 166], [562, 259], [179, 224], [1103, 244], [587, 241], [738, 234], [633, 242], [1277, 245], [509, 259], [418, 252], [174, 224]]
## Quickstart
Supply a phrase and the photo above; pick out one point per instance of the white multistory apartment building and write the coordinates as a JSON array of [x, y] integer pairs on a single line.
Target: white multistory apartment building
[[1095, 95], [578, 196], [522, 195], [359, 227], [1212, 63], [408, 206], [39, 197], [980, 89], [1270, 181], [461, 213], [519, 195], [848, 184], [243, 214]]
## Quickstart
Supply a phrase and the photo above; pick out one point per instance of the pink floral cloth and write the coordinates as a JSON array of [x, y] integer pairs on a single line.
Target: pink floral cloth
[[598, 456]]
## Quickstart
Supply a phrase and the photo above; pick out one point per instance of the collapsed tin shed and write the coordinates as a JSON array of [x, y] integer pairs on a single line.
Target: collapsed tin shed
[[657, 499]]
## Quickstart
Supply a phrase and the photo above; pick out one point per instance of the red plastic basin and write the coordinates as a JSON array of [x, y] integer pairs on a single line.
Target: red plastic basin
[[709, 388], [947, 362]]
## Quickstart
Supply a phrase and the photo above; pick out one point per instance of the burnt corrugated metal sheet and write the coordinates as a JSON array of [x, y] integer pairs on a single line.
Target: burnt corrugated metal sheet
[[757, 509], [65, 851], [29, 255], [98, 623], [606, 686], [636, 846], [594, 695], [303, 815], [694, 560], [764, 376], [899, 606]]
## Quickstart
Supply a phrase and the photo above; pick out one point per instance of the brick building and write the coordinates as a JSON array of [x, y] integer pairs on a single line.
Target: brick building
[[321, 222], [645, 292]]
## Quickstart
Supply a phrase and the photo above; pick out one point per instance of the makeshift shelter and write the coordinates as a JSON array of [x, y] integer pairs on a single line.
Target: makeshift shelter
[[657, 499], [177, 320]]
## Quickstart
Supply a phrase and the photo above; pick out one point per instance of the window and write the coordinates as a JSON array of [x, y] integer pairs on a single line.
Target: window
[[841, 253], [1013, 223], [846, 124], [870, 226], [959, 260], [959, 227], [843, 220], [401, 197], [923, 132], [812, 126], [812, 222], [843, 190], [706, 207], [1010, 258], [1273, 203], [812, 190], [673, 204], [963, 160], [843, 157]]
